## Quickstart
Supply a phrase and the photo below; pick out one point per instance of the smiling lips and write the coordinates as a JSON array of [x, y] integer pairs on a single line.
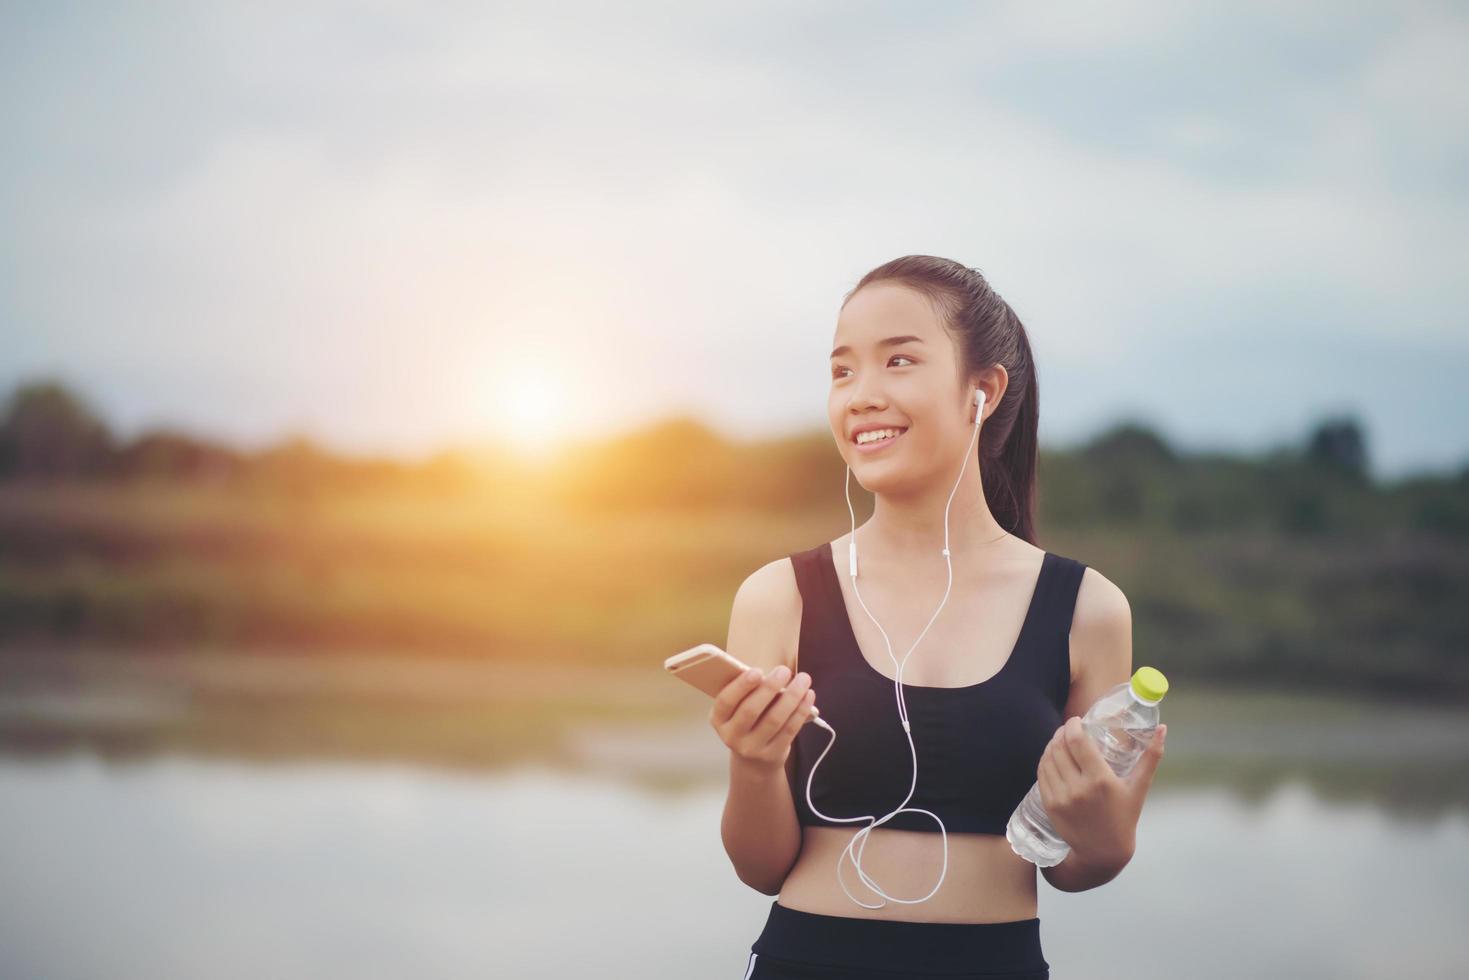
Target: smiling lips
[[878, 444]]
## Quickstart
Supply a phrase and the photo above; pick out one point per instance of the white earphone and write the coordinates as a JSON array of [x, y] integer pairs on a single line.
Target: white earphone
[[862, 834]]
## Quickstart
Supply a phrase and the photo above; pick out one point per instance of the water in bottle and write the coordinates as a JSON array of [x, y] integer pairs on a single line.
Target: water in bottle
[[1122, 722]]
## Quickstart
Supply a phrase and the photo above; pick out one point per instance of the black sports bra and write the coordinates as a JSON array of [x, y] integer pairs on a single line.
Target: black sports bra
[[978, 746]]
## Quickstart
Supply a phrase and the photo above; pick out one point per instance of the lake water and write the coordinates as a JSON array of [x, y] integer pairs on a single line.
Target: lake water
[[183, 866]]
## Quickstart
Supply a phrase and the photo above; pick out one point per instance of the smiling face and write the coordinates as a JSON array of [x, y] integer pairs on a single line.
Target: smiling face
[[895, 365]]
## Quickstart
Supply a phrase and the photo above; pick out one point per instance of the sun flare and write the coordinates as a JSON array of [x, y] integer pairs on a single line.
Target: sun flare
[[532, 405]]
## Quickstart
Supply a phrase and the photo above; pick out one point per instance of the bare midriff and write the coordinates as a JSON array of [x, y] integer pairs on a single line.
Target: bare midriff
[[986, 881]]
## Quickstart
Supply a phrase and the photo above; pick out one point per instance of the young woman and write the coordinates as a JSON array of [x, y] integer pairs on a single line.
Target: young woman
[[884, 871]]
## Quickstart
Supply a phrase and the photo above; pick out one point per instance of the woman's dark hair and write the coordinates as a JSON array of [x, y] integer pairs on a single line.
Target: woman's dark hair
[[986, 332]]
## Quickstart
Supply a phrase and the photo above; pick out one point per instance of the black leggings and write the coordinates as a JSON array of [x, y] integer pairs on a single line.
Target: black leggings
[[796, 945]]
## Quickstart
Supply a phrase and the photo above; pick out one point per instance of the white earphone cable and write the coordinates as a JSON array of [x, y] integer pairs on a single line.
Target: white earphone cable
[[859, 840]]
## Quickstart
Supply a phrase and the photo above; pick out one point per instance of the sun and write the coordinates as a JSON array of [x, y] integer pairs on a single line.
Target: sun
[[533, 405]]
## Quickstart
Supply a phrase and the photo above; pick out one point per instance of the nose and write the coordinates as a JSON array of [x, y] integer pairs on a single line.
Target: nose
[[862, 399]]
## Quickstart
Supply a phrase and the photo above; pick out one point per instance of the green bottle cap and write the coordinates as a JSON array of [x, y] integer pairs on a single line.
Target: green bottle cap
[[1149, 684]]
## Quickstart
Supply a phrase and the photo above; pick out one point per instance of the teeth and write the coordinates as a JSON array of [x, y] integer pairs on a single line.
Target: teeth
[[876, 434]]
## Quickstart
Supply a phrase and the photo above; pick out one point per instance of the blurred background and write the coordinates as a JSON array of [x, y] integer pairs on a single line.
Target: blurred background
[[389, 388]]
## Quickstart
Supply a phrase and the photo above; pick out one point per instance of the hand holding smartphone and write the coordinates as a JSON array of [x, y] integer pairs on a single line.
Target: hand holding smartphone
[[757, 717]]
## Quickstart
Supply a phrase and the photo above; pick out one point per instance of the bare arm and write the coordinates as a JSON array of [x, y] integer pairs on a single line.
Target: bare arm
[[1101, 643], [759, 828]]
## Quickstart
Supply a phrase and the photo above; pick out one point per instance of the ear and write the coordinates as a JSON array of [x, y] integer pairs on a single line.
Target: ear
[[992, 381]]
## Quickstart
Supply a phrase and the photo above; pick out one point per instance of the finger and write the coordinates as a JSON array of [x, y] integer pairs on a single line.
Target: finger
[[1141, 776], [1068, 771], [799, 717], [1050, 783], [732, 694], [780, 709], [748, 715], [1085, 752], [752, 708]]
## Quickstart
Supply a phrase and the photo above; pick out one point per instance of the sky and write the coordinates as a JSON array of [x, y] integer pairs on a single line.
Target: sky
[[404, 227]]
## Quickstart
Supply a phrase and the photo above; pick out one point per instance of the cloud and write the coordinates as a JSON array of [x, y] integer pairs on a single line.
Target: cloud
[[666, 203]]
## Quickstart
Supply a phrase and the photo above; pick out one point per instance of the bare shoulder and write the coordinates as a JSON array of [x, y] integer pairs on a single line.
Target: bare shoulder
[[765, 622], [1100, 640], [1100, 604]]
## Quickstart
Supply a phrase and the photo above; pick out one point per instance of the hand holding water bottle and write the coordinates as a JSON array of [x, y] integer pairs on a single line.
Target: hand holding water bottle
[[1091, 807], [1086, 804]]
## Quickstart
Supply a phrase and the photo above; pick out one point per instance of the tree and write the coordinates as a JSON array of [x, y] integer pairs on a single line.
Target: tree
[[1337, 445], [48, 432]]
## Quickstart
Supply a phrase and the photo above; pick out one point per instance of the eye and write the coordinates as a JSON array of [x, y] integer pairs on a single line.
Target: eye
[[890, 360]]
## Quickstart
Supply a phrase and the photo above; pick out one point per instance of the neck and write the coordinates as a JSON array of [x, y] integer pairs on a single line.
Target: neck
[[912, 527]]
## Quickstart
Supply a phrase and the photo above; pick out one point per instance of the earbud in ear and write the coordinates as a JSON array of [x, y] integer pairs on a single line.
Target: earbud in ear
[[978, 404]]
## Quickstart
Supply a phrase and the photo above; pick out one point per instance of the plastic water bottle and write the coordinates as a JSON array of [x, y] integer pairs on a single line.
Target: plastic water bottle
[[1122, 723]]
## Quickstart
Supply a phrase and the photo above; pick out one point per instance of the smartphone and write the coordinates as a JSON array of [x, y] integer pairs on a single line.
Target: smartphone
[[709, 669]]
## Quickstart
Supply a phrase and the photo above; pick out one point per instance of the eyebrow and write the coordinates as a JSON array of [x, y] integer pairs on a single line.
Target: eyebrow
[[888, 342]]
